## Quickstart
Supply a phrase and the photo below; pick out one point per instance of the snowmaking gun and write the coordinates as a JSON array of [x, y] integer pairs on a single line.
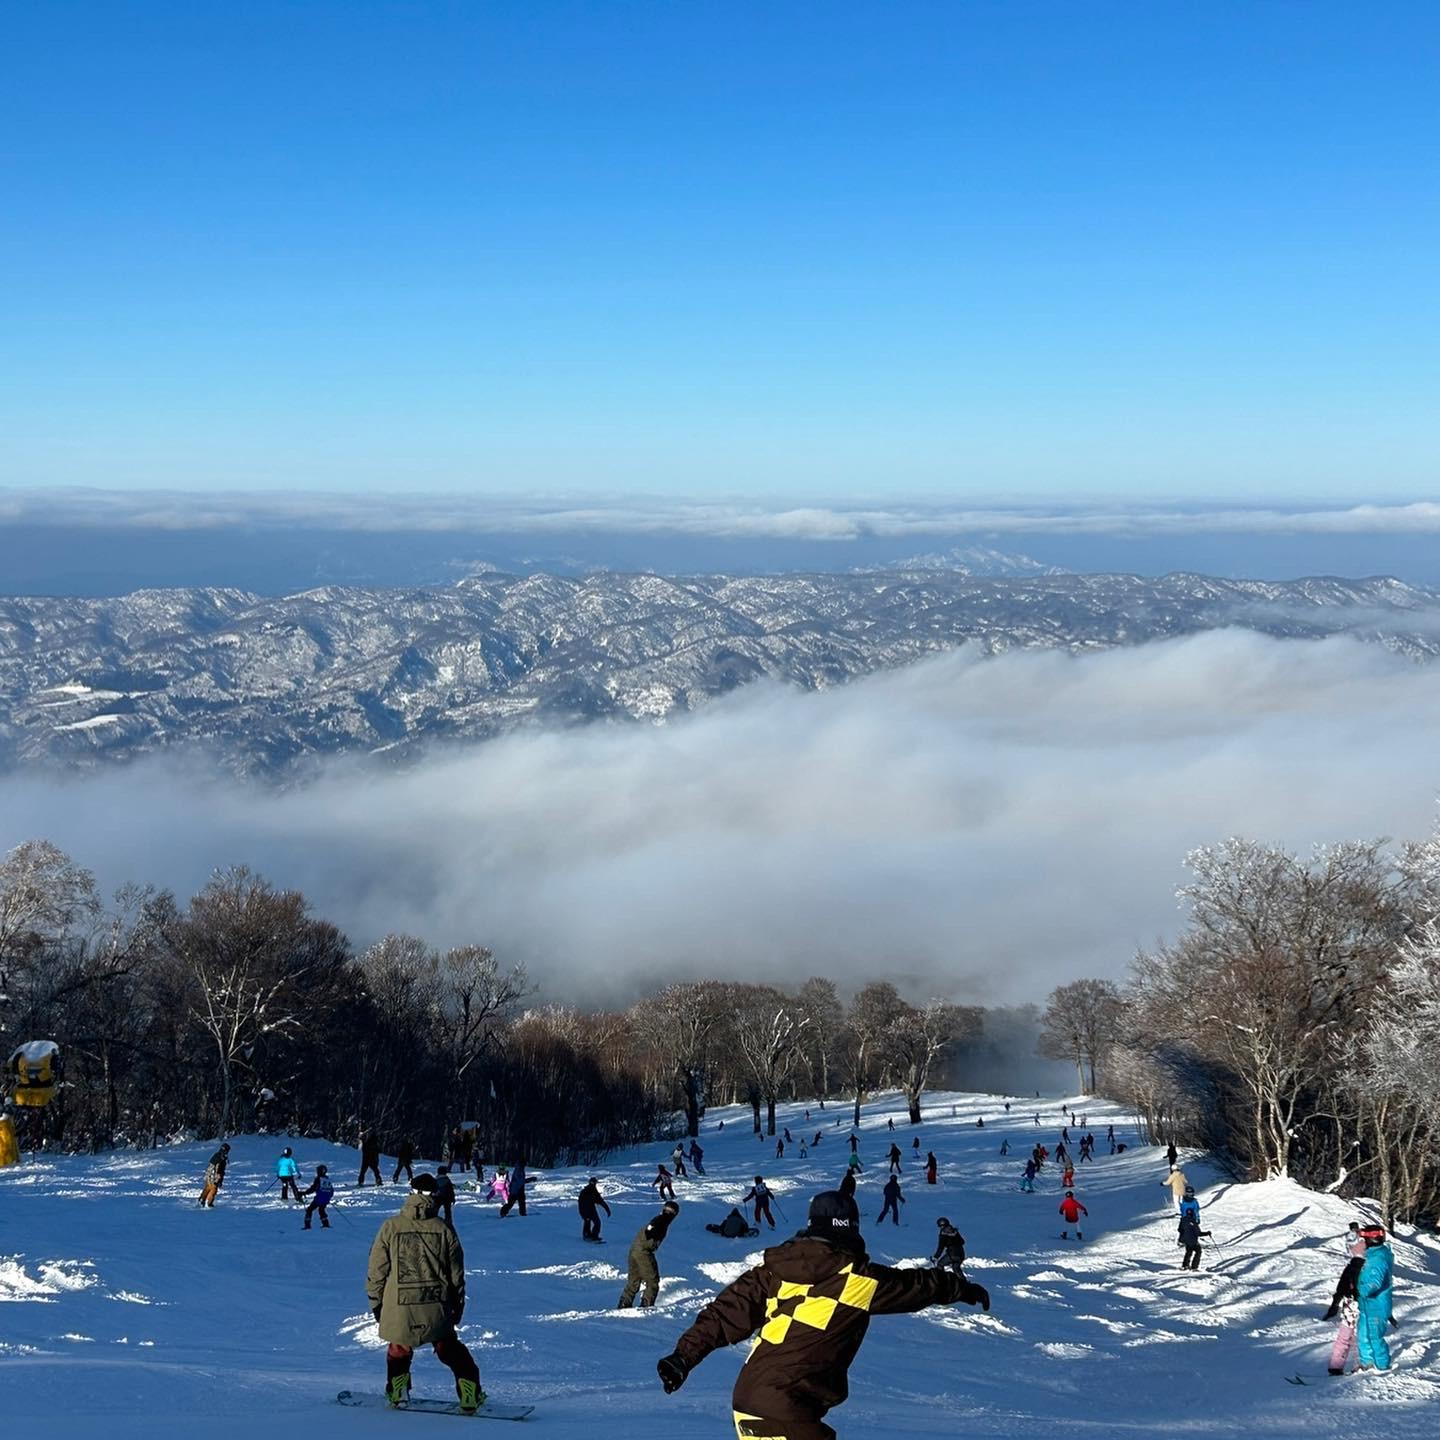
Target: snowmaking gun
[[29, 1082]]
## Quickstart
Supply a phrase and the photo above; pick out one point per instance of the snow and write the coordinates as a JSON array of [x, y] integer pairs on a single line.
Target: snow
[[95, 722], [128, 1311]]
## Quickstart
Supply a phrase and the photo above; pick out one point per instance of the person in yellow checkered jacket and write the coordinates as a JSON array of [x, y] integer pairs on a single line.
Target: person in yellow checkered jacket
[[808, 1304]]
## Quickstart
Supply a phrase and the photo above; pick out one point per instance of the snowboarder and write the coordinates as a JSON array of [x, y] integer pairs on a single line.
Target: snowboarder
[[1005, 1146], [322, 1188], [1177, 1184], [1072, 1210], [444, 1194], [404, 1160], [518, 1182], [891, 1123], [893, 1201], [416, 1286], [215, 1176], [1028, 1182], [894, 1159], [932, 1167], [1345, 1305], [980, 1123], [590, 1203], [804, 1149], [664, 1182], [1373, 1290], [950, 1249], [369, 1157], [759, 1192], [733, 1227], [643, 1264], [289, 1174], [811, 1299], [1190, 1233]]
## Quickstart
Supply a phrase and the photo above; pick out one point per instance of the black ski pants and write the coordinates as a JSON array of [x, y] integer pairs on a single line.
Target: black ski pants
[[590, 1227], [1192, 1258], [518, 1198], [289, 1188], [891, 1209], [366, 1166]]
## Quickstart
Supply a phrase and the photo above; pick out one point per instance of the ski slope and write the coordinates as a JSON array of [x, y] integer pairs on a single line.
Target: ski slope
[[125, 1310]]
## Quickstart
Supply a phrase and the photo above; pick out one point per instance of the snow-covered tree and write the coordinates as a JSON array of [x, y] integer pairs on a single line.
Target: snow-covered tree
[[917, 1039]]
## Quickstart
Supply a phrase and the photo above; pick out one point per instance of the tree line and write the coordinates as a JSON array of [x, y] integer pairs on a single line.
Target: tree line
[[241, 1009], [1293, 1024]]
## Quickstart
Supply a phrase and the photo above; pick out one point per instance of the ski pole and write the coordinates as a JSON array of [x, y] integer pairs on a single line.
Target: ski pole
[[270, 1186]]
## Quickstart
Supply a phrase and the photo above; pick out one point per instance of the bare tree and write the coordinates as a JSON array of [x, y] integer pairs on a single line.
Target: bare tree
[[872, 1012], [768, 1026], [825, 1025], [681, 1023], [918, 1038], [1081, 1020]]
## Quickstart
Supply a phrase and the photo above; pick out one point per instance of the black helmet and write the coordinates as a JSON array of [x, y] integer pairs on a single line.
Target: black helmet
[[835, 1217], [287, 1149], [424, 1183], [942, 1222], [321, 1170]]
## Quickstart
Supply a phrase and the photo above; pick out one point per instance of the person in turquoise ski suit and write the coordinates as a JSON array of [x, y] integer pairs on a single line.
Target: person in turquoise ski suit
[[1374, 1293], [289, 1174]]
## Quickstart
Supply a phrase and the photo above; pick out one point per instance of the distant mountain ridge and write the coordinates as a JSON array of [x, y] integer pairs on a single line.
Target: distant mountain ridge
[[267, 682]]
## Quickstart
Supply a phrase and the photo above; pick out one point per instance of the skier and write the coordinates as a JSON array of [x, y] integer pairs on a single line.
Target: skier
[[1062, 1154], [1110, 1133], [323, 1190], [891, 1123], [1037, 1117], [1007, 1107], [215, 1176], [818, 1138], [780, 1148], [289, 1173], [590, 1203], [697, 1157], [932, 1167], [1067, 1178], [1072, 1210], [1005, 1146], [804, 1149], [855, 1142], [664, 1182], [759, 1192], [677, 1159], [1190, 1233], [733, 1227], [404, 1160], [518, 1181], [788, 1140], [853, 1165], [369, 1157], [1346, 1305], [644, 1267], [1354, 1245], [1172, 1155], [1190, 1205], [444, 1195], [1373, 1290], [894, 1159], [1177, 1183], [893, 1201], [1028, 1182], [811, 1299], [915, 1146], [950, 1249], [980, 1123], [499, 1186], [416, 1286], [1064, 1136]]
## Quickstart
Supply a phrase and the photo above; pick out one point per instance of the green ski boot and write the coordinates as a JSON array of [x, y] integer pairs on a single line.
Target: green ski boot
[[397, 1392], [472, 1397]]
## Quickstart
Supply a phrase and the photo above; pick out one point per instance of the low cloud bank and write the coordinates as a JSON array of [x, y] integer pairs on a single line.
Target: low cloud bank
[[499, 515], [979, 828]]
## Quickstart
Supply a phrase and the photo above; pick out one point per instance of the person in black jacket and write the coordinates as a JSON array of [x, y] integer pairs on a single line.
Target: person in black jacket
[[404, 1160], [893, 1201], [590, 1203], [811, 1300], [369, 1157], [759, 1192], [445, 1195], [950, 1250], [733, 1227], [215, 1176], [1190, 1233], [519, 1180]]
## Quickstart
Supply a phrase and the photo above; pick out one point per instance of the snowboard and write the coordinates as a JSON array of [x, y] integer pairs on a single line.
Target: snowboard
[[488, 1411]]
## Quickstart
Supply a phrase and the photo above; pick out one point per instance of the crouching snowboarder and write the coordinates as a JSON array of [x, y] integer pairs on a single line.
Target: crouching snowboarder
[[950, 1249], [644, 1268], [416, 1286], [811, 1300]]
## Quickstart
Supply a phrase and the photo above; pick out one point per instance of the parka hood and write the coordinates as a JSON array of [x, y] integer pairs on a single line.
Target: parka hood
[[807, 1261]]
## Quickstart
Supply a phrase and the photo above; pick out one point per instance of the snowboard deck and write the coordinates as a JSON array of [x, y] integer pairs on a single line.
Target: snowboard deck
[[488, 1411]]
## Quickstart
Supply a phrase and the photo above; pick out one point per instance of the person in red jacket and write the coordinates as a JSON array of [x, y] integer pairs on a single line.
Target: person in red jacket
[[1072, 1210]]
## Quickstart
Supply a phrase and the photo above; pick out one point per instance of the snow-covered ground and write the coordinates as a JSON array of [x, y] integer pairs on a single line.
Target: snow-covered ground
[[126, 1310]]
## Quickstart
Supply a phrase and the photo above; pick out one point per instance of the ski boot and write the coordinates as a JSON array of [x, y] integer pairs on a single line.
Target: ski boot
[[472, 1397], [397, 1392]]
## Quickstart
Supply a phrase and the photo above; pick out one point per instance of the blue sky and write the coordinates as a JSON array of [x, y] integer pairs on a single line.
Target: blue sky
[[953, 249]]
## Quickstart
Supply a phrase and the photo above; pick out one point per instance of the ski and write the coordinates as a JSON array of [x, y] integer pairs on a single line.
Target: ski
[[488, 1411]]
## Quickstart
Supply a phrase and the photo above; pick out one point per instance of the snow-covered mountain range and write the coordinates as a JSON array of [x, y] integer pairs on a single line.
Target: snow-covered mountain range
[[267, 681]]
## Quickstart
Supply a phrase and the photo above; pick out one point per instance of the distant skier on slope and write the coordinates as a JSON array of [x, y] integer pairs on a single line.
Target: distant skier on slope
[[323, 1189], [932, 1167], [759, 1192], [1072, 1210], [811, 1299], [590, 1203], [1177, 1184], [369, 1157], [894, 1159], [416, 1287], [404, 1161], [1027, 1181], [644, 1264], [664, 1183], [950, 1248], [444, 1194], [519, 1183], [1190, 1233], [893, 1201], [215, 1176], [289, 1175]]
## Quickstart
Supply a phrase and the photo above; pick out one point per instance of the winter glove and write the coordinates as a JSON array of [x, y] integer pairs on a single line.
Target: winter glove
[[973, 1294], [672, 1371]]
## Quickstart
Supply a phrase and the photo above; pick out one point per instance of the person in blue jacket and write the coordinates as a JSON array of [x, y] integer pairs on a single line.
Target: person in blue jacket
[[1028, 1180], [1190, 1205], [289, 1173], [1374, 1293]]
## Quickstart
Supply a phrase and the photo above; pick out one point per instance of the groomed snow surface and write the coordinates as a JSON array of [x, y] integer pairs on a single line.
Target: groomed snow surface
[[125, 1310]]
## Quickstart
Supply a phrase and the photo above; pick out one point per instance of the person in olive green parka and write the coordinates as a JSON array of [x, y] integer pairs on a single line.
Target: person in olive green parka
[[644, 1268], [416, 1286]]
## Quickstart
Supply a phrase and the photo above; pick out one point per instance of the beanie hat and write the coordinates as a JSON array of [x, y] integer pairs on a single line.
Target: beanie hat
[[836, 1218], [424, 1183]]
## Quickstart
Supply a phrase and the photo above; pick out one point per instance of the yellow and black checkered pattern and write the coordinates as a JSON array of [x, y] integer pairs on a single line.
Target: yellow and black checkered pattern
[[813, 1306]]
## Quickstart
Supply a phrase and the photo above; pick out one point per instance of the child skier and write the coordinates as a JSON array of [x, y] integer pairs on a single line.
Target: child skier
[[1373, 1290], [289, 1173], [500, 1187], [444, 1194], [932, 1167], [760, 1194], [1190, 1233], [664, 1183], [677, 1159], [1072, 1210], [1346, 1305], [324, 1192], [1027, 1182]]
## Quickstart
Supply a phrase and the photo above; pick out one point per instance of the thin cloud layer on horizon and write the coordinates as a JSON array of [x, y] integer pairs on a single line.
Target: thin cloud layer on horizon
[[741, 520], [978, 828]]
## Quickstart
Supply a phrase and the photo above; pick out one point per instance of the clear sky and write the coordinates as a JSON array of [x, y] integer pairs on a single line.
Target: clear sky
[[974, 247]]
